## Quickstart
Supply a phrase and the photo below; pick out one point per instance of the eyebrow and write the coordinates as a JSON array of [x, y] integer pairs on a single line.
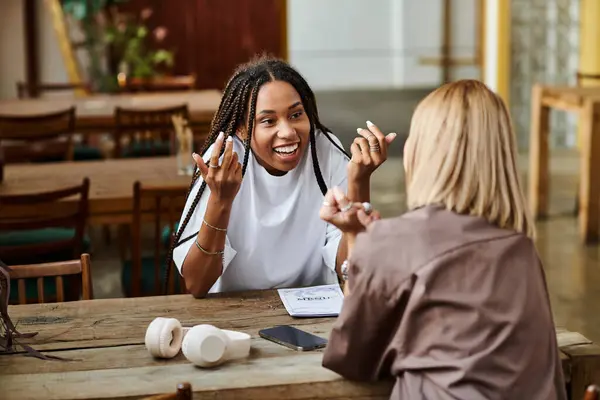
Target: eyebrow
[[296, 104]]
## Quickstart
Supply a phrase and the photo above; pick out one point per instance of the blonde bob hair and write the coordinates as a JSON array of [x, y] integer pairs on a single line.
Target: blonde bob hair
[[461, 153]]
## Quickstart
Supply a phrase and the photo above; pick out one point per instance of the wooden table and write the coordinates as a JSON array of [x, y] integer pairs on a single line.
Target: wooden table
[[95, 112], [106, 337], [586, 103], [111, 182]]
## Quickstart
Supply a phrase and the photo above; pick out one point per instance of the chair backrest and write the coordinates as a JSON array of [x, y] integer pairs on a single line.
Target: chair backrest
[[146, 127], [163, 206], [26, 138], [59, 270], [162, 84], [24, 89], [40, 212], [183, 392]]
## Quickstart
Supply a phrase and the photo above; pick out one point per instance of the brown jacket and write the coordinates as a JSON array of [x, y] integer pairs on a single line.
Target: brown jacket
[[450, 306]]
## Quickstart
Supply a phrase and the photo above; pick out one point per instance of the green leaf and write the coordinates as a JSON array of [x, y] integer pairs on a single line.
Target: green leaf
[[163, 56], [142, 31]]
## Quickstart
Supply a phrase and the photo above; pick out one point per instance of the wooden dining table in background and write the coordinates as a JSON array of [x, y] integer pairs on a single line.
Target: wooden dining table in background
[[95, 113], [111, 182]]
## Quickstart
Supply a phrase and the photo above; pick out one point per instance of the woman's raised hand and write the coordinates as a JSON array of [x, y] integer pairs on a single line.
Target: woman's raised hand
[[348, 217], [224, 179], [369, 151]]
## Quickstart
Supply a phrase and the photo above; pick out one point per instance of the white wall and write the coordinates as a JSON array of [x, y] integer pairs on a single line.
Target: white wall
[[344, 44], [52, 66], [336, 44], [12, 50]]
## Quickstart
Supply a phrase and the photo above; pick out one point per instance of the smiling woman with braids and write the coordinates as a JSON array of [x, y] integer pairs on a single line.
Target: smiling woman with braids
[[264, 231]]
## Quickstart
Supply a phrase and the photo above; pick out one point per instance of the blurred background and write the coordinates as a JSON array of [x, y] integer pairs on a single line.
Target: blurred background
[[365, 59]]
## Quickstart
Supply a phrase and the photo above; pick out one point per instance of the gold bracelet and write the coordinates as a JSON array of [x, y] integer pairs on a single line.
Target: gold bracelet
[[208, 252], [213, 227]]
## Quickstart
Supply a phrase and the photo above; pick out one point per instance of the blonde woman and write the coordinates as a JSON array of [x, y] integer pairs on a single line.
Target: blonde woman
[[449, 299]]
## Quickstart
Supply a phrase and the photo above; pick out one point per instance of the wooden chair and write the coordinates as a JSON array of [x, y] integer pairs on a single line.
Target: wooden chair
[[145, 275], [24, 89], [42, 227], [146, 132], [80, 268], [184, 392], [42, 137], [161, 84], [81, 151]]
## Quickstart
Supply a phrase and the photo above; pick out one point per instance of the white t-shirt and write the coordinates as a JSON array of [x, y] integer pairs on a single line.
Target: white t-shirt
[[275, 237]]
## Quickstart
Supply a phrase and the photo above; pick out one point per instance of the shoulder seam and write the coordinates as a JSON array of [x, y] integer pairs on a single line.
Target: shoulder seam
[[466, 245]]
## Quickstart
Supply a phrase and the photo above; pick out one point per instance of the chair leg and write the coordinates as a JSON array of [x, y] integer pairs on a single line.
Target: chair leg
[[106, 234], [124, 238]]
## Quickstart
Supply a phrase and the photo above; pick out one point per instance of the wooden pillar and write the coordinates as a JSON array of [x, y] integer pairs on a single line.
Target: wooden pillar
[[496, 61], [31, 32], [589, 52]]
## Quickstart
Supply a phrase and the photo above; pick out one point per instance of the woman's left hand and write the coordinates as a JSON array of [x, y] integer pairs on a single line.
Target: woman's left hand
[[369, 151], [350, 218]]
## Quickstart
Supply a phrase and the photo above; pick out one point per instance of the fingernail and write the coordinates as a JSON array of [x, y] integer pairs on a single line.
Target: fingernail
[[370, 124], [358, 130], [221, 134], [337, 192], [393, 134], [229, 139]]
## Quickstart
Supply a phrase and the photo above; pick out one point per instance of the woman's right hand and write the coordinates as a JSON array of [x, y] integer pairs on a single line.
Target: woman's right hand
[[225, 179], [350, 218]]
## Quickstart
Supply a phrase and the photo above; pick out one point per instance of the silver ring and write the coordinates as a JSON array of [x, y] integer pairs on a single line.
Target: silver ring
[[213, 166], [368, 208], [346, 207], [375, 149]]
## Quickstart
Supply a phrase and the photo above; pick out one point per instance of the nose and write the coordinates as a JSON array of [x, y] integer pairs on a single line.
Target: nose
[[287, 131]]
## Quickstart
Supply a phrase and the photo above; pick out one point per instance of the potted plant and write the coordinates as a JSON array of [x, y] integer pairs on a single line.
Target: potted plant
[[130, 40], [118, 44]]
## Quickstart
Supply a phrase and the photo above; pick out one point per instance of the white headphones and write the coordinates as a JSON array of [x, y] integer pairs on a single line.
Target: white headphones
[[203, 345]]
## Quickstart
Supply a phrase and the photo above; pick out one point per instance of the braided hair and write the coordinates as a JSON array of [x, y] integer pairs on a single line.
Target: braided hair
[[238, 104]]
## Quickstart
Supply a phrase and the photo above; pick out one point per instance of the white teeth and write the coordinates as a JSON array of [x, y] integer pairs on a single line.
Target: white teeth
[[286, 149]]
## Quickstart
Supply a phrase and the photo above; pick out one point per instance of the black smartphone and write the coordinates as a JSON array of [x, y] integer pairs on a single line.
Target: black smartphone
[[293, 338]]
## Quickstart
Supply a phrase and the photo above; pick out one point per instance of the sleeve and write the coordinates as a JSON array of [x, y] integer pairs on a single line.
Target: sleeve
[[360, 344], [337, 177], [195, 223]]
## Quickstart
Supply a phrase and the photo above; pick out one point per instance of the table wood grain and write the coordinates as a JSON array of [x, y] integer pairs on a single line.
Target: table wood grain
[[111, 182], [95, 112], [106, 340]]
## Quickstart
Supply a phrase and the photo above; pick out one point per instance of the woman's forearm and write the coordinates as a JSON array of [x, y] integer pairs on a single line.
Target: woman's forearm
[[342, 255], [201, 269], [359, 190]]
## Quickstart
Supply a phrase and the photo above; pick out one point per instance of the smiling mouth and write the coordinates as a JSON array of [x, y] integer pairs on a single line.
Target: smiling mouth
[[287, 150]]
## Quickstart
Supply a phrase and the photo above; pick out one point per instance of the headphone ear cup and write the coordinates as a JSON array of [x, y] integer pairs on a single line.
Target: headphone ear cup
[[163, 337], [205, 346]]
